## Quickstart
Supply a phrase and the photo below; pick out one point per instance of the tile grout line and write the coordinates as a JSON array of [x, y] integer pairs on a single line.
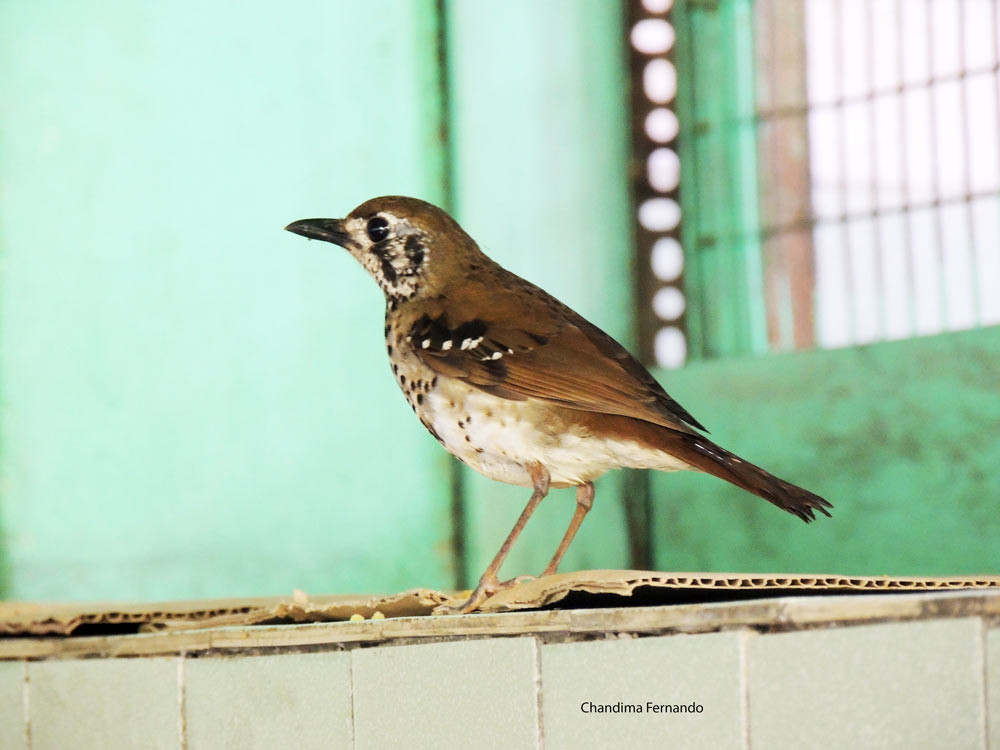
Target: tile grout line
[[182, 701], [745, 636], [540, 737], [27, 705], [350, 680], [985, 674]]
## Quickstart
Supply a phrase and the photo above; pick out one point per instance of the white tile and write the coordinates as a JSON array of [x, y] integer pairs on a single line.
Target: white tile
[[104, 703], [898, 685], [636, 674], [13, 729], [993, 687], [461, 694], [285, 700]]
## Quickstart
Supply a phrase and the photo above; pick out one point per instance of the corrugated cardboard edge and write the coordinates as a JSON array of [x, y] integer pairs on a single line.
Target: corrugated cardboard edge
[[29, 618], [546, 591], [25, 618]]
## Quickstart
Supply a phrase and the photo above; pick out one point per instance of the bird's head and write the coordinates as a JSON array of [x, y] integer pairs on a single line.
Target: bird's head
[[406, 244]]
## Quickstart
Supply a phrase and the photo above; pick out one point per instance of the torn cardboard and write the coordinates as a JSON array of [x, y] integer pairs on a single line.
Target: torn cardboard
[[592, 588]]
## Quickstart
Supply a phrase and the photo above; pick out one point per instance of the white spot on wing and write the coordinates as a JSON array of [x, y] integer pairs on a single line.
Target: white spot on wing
[[447, 345], [496, 355], [425, 344]]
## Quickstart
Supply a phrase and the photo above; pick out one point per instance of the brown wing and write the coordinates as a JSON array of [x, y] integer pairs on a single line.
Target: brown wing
[[529, 345]]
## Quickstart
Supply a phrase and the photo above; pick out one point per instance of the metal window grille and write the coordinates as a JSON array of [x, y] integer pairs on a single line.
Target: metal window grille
[[840, 170]]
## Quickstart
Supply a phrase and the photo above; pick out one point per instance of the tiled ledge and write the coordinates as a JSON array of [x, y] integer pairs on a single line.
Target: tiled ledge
[[877, 671], [779, 614]]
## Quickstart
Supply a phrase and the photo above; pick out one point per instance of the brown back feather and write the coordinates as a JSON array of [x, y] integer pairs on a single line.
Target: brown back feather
[[550, 353]]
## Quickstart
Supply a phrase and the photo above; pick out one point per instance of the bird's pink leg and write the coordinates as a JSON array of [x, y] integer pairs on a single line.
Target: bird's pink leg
[[584, 502], [489, 583]]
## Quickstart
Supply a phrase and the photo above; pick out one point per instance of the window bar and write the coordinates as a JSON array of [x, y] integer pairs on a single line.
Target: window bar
[[975, 262], [906, 198], [875, 197], [840, 52], [786, 222], [772, 191], [742, 142], [877, 93], [694, 280], [932, 126], [850, 216], [995, 26]]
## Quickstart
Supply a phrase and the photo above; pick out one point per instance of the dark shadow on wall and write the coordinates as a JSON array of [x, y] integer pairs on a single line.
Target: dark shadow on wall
[[5, 585]]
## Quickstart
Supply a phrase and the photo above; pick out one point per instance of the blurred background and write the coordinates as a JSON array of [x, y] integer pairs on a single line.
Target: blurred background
[[791, 209]]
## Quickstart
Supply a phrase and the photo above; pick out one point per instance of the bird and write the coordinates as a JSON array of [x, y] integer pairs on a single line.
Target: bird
[[516, 384]]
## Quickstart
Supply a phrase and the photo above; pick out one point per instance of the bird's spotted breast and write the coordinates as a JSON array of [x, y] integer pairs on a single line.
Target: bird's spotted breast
[[500, 438], [414, 378]]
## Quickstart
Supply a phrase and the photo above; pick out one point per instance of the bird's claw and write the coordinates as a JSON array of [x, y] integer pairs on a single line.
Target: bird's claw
[[484, 591]]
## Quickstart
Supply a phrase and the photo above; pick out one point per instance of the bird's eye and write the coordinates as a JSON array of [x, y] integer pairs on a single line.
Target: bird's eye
[[378, 228]]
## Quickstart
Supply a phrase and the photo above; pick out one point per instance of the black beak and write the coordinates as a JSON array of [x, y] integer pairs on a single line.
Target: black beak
[[328, 230]]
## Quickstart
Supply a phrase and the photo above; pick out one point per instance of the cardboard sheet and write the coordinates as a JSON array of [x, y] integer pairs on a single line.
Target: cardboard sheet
[[592, 588]]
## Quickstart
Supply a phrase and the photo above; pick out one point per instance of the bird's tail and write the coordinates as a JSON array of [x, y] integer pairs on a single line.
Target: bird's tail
[[705, 455]]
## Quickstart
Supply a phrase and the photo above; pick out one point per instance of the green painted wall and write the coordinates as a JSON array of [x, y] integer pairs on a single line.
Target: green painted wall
[[719, 190], [195, 402], [901, 437]]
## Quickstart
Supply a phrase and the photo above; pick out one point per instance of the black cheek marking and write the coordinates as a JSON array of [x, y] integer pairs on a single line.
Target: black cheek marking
[[389, 272], [414, 251]]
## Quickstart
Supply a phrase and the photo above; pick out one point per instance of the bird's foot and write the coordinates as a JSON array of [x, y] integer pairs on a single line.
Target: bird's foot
[[487, 587]]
